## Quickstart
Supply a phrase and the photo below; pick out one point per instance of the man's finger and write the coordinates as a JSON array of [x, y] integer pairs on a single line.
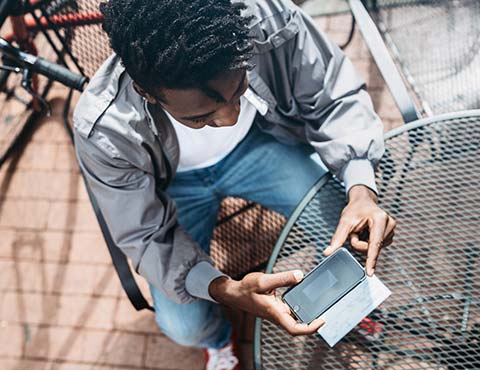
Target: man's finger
[[391, 224], [341, 234], [297, 328], [268, 282], [358, 244], [389, 239], [377, 229]]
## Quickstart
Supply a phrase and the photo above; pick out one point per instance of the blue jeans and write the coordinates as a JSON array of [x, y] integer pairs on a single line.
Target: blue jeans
[[259, 169]]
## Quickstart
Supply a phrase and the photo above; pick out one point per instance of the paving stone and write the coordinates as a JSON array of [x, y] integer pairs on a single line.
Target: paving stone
[[41, 184], [11, 340], [82, 345], [389, 124], [30, 214], [370, 73], [59, 310], [357, 49], [69, 216], [58, 278], [54, 246], [82, 191], [317, 8], [28, 364], [385, 105], [162, 353], [86, 220], [89, 247], [323, 23], [340, 23], [38, 156], [7, 239], [337, 37], [128, 319], [51, 129], [65, 159], [34, 245]]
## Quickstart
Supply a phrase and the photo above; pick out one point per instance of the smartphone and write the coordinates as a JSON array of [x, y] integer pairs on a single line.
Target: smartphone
[[325, 285]]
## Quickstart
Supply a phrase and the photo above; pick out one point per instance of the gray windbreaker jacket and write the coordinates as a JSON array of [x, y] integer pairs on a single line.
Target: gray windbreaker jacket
[[128, 150]]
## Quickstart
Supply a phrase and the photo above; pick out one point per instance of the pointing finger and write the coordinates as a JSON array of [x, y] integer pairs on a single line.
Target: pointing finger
[[341, 234]]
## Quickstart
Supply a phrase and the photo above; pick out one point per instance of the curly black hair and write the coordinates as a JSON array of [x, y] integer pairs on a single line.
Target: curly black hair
[[178, 43]]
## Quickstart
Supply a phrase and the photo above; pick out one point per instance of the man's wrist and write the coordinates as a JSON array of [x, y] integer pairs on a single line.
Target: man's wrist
[[199, 278], [359, 192], [218, 288]]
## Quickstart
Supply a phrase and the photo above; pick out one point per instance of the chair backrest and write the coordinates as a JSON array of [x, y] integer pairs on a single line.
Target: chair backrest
[[385, 64], [437, 45]]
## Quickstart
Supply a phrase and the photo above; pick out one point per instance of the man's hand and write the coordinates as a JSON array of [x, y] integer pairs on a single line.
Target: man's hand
[[363, 214], [255, 293]]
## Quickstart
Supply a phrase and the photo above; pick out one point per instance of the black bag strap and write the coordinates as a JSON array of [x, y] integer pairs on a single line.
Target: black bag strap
[[119, 260]]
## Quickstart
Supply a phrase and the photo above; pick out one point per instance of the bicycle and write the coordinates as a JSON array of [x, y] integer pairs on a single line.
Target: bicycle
[[26, 75]]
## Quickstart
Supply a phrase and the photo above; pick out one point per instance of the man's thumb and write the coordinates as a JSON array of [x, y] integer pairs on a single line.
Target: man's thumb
[[269, 282]]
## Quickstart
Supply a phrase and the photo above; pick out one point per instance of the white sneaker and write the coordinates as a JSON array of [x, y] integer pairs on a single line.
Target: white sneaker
[[222, 359]]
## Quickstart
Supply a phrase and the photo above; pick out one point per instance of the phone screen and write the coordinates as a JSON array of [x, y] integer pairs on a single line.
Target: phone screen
[[325, 285]]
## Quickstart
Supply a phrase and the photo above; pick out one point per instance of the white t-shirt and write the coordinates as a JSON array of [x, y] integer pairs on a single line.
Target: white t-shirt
[[200, 148]]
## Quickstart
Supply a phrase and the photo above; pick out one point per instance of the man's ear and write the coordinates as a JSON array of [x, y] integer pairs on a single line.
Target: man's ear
[[143, 93]]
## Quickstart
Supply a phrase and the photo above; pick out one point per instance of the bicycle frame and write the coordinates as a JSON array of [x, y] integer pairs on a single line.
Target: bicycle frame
[[28, 18], [23, 27]]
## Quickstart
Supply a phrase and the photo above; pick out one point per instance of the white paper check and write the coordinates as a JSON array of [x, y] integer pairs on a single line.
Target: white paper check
[[351, 309]]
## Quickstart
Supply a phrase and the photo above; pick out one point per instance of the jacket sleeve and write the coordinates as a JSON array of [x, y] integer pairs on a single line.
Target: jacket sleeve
[[143, 224], [342, 125]]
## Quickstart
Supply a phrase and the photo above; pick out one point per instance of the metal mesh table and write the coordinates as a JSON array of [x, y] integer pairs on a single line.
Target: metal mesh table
[[428, 181], [437, 44]]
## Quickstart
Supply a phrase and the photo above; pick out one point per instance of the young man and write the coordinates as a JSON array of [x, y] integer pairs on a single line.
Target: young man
[[205, 99]]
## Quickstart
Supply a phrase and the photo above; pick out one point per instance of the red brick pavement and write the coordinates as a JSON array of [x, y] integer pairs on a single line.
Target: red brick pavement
[[61, 305]]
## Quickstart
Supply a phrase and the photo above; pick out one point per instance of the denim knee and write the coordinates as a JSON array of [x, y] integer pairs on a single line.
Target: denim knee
[[211, 331], [184, 335]]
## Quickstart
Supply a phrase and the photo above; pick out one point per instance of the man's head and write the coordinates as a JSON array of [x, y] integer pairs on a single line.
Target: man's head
[[190, 56]]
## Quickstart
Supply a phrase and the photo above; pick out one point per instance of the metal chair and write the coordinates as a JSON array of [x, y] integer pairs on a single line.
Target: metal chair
[[436, 44]]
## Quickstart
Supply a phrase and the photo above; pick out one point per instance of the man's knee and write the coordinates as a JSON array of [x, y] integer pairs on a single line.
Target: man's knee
[[186, 333], [203, 326]]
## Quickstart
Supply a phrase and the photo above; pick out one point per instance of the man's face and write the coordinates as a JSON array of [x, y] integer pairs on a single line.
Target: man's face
[[218, 106]]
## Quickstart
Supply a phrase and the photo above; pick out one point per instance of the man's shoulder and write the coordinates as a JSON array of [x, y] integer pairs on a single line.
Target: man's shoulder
[[103, 104], [273, 23], [262, 10]]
